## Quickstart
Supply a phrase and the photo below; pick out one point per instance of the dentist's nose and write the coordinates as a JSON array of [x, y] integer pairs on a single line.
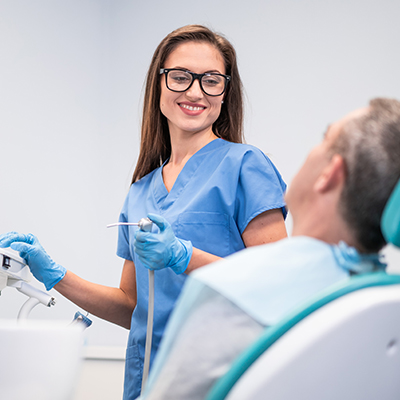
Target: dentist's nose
[[195, 92]]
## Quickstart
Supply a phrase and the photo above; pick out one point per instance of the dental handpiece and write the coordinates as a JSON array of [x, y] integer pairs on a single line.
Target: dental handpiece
[[145, 224]]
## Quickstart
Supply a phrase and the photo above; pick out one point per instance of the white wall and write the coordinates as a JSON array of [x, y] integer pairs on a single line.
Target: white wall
[[71, 80]]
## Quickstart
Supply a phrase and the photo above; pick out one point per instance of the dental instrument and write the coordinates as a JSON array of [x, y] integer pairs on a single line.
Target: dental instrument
[[81, 319], [145, 224], [15, 273]]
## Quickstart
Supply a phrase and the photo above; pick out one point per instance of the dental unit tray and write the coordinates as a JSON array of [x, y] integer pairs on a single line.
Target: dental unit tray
[[13, 266], [15, 273]]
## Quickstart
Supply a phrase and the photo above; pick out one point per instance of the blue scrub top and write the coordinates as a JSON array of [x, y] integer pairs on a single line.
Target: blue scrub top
[[219, 191]]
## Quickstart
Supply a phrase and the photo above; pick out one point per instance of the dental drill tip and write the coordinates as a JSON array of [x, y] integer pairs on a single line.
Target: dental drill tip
[[122, 223]]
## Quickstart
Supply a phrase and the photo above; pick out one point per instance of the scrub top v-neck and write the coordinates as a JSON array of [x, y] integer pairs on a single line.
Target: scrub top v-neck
[[219, 191]]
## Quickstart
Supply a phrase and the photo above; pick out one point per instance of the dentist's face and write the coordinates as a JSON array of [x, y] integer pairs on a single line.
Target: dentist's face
[[192, 111]]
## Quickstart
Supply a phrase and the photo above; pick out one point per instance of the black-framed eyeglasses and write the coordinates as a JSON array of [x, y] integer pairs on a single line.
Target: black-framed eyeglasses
[[180, 80]]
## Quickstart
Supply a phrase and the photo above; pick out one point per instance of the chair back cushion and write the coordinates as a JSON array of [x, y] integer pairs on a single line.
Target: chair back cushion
[[390, 223]]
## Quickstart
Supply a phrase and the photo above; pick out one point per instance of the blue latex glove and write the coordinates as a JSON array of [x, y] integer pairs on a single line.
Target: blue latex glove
[[163, 249], [43, 268]]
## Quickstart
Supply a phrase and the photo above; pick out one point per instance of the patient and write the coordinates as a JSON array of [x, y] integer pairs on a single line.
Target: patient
[[336, 201]]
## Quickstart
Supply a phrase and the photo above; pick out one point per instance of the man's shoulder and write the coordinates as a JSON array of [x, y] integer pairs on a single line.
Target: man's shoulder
[[270, 280], [291, 252]]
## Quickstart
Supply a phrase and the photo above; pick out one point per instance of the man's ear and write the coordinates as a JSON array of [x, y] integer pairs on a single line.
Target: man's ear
[[332, 176]]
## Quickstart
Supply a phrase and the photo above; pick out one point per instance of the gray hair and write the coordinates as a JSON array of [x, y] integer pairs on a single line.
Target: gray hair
[[370, 147]]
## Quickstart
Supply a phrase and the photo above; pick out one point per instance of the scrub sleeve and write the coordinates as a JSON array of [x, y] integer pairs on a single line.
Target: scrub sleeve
[[219, 191]]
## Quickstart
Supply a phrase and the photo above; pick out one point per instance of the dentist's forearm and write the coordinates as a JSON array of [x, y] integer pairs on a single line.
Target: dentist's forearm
[[199, 259], [112, 304]]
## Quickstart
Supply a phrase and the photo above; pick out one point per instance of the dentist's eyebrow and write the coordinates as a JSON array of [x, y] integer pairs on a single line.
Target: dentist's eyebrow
[[212, 71]]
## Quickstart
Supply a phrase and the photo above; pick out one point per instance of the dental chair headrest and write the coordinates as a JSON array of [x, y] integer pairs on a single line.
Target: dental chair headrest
[[390, 222]]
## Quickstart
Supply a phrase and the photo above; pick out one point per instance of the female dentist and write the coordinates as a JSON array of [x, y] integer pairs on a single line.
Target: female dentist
[[208, 194]]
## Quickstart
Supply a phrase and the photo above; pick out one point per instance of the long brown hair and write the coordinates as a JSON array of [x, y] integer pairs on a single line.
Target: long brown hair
[[155, 146]]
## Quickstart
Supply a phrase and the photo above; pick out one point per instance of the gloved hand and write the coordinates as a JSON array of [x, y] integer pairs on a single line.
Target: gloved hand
[[163, 249], [43, 268]]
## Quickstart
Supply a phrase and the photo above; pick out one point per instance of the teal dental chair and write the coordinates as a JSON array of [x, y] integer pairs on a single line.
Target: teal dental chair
[[343, 345]]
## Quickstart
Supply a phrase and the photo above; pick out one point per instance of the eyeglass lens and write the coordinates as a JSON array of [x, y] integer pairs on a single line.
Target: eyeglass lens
[[212, 84]]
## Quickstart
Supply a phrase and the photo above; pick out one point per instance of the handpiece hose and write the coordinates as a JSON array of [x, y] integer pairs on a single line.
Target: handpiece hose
[[145, 224], [149, 332]]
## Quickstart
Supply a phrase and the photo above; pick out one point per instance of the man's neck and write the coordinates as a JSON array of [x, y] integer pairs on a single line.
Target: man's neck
[[327, 229]]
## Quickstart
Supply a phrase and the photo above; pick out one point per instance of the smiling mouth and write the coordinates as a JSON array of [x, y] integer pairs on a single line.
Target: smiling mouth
[[191, 108]]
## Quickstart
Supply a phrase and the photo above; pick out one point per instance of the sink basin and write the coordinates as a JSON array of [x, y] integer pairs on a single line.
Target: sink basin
[[40, 359]]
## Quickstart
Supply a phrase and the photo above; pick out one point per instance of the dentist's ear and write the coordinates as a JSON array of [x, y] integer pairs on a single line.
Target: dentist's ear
[[332, 176]]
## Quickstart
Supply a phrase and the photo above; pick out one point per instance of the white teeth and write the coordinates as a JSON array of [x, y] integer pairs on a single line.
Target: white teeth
[[191, 108]]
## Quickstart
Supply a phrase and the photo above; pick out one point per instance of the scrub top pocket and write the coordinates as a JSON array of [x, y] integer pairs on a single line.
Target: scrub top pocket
[[208, 231]]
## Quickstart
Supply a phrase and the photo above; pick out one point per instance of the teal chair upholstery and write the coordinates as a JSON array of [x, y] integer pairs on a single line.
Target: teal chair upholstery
[[363, 315], [241, 368], [390, 222]]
